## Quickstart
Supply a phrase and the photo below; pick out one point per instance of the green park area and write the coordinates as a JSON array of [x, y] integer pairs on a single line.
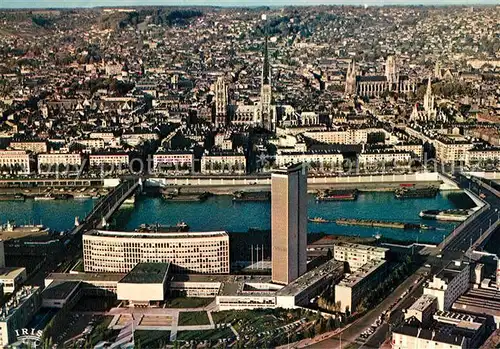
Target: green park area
[[188, 302], [256, 321], [193, 318], [145, 339]]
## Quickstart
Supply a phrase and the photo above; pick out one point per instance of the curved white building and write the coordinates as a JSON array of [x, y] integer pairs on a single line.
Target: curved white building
[[119, 252]]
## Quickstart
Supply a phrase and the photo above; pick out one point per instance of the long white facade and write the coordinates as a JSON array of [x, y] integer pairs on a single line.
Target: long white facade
[[119, 252]]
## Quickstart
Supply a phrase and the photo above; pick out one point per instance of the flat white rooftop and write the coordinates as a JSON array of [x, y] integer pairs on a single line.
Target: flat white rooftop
[[153, 235]]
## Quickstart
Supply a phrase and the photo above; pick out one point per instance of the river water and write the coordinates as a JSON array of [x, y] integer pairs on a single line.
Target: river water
[[220, 213]]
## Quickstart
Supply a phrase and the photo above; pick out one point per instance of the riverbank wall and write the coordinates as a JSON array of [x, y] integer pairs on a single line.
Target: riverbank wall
[[228, 185]]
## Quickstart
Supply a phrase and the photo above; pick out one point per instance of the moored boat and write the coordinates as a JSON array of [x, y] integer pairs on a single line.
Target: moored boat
[[413, 193], [251, 196], [318, 220], [452, 215], [45, 197], [160, 228], [81, 197], [337, 195]]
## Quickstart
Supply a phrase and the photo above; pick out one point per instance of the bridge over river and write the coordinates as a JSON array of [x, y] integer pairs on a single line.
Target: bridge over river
[[106, 206]]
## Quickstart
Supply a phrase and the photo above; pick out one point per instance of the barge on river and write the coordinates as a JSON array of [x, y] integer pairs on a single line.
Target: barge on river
[[452, 215]]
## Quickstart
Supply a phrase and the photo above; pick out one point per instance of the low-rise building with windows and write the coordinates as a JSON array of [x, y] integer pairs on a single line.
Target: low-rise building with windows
[[384, 157], [117, 160], [50, 163], [35, 147], [173, 161], [315, 160], [223, 162], [356, 286], [90, 144], [192, 252], [449, 284], [12, 278], [450, 151], [481, 156], [358, 255], [15, 161], [344, 136], [448, 330], [422, 309], [135, 139]]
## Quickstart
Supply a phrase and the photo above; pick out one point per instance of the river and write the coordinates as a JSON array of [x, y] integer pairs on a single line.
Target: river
[[220, 213]]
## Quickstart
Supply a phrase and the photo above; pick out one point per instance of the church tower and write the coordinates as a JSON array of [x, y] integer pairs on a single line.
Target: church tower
[[429, 102], [350, 79], [266, 115], [221, 102], [437, 71], [391, 70]]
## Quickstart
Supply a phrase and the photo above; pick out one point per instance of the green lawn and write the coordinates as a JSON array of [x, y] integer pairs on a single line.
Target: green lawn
[[214, 334], [192, 318], [188, 302], [151, 339]]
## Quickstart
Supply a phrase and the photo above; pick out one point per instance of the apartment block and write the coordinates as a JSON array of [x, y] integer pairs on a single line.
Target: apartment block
[[358, 255], [449, 284]]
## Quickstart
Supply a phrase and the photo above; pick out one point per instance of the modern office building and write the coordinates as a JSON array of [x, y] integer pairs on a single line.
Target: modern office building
[[146, 283], [151, 283], [120, 252], [358, 255], [449, 284], [289, 223], [18, 312], [351, 290]]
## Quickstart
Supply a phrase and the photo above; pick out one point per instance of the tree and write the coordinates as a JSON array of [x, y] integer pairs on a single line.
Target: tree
[[330, 323], [338, 306], [329, 254]]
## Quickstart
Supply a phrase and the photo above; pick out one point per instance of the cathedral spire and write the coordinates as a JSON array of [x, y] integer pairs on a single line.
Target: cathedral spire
[[429, 86], [266, 70]]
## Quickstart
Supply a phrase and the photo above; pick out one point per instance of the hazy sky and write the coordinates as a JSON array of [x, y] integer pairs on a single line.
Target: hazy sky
[[92, 3]]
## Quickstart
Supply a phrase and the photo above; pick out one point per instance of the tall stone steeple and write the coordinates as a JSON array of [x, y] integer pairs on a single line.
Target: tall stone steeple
[[221, 102], [350, 79], [429, 102], [266, 92], [266, 69], [391, 70]]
